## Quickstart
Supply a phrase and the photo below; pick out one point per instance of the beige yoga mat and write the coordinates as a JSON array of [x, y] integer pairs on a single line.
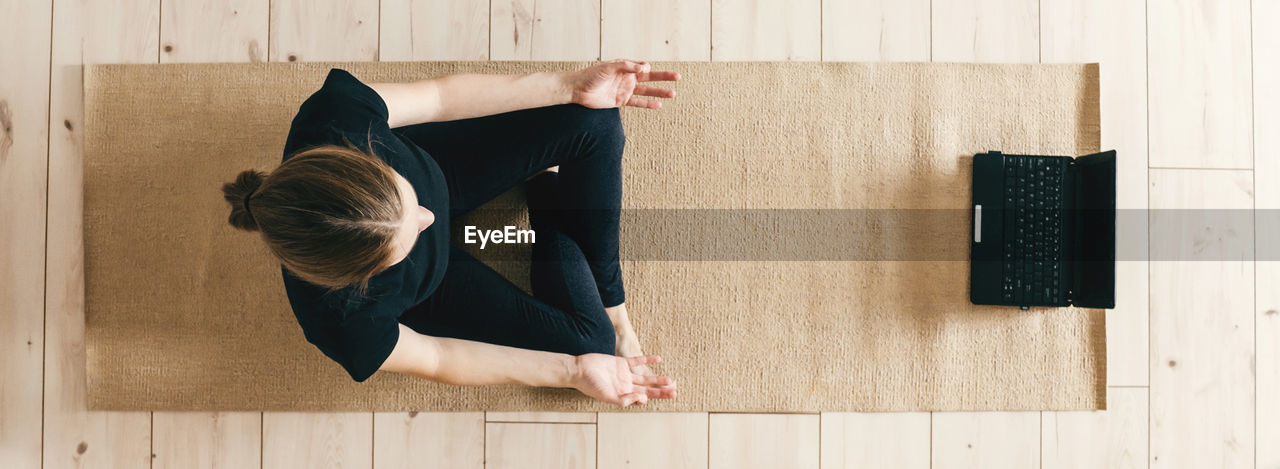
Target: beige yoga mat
[[795, 240]]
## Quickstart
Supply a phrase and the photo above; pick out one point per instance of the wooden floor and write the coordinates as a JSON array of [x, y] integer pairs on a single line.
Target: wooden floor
[[1189, 98]]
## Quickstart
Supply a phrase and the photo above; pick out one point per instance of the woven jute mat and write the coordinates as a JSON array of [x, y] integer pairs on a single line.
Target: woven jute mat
[[795, 238]]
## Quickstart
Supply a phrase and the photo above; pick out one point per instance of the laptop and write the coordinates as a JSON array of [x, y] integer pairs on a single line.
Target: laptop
[[1044, 230]]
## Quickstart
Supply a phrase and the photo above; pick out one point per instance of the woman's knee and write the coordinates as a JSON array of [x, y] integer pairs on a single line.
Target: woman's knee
[[603, 127], [598, 339]]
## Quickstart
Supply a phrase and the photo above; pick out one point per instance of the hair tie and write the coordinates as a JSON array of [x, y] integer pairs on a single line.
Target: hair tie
[[246, 203]]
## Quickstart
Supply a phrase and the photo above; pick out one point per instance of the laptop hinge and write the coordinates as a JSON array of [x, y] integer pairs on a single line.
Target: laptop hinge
[[1074, 236]]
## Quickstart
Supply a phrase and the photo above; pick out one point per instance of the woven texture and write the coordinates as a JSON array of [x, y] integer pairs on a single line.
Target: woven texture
[[185, 313]]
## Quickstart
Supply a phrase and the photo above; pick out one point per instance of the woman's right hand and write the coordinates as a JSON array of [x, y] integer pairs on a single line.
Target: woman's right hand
[[610, 379]]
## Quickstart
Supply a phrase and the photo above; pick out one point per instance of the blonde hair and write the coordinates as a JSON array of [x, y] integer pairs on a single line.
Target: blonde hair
[[330, 214]]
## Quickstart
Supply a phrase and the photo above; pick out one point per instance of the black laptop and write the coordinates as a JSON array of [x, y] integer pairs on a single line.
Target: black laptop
[[1044, 230]]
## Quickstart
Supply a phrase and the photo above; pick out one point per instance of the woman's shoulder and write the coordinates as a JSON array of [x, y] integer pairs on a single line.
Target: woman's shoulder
[[343, 98], [343, 108]]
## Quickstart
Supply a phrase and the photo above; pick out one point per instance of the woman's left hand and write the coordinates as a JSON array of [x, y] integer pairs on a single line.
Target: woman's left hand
[[612, 379], [617, 83]]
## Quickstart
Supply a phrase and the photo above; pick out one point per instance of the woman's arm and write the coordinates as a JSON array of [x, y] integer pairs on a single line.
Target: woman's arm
[[469, 363], [461, 96], [452, 97], [466, 362]]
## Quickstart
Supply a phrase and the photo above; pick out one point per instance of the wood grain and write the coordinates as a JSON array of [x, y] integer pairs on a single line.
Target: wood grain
[[206, 440], [986, 440], [126, 31], [766, 30], [24, 127], [317, 440], [310, 30], [875, 30], [1112, 33], [655, 30], [434, 30], [1200, 85], [1202, 321], [1001, 31], [545, 30], [666, 440], [853, 440], [213, 31], [764, 441], [428, 440], [540, 445], [1266, 157], [1113, 438]]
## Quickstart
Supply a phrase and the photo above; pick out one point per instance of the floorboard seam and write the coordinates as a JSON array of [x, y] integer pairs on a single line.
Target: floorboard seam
[[44, 295]]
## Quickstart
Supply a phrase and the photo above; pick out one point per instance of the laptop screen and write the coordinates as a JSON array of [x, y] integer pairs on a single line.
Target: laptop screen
[[1095, 270]]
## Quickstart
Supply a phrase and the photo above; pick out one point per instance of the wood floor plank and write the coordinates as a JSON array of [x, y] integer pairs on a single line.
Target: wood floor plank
[[193, 31], [317, 440], [428, 440], [321, 30], [986, 440], [1200, 83], [24, 125], [875, 30], [1000, 31], [766, 30], [1202, 319], [1266, 151], [856, 440], [666, 440], [125, 31], [206, 440], [434, 30], [213, 31], [764, 441], [655, 30], [544, 417], [1113, 33], [540, 445], [545, 30], [1113, 438]]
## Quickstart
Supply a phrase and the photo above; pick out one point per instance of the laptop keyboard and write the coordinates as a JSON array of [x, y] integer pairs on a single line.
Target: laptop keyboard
[[1033, 241]]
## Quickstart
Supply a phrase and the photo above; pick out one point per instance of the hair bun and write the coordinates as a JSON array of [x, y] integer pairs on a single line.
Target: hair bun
[[237, 194]]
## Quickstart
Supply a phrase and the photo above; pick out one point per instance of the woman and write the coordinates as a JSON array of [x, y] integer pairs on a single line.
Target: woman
[[358, 215]]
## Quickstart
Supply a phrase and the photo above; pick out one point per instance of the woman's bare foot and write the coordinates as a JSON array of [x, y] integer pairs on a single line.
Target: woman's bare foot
[[627, 343]]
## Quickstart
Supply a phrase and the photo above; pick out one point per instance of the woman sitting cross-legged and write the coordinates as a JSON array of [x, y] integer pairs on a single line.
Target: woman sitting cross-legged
[[358, 216]]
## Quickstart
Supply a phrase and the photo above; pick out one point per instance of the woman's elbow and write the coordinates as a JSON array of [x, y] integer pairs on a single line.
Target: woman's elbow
[[414, 354]]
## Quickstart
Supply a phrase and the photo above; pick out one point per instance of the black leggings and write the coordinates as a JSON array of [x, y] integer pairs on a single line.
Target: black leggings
[[575, 271]]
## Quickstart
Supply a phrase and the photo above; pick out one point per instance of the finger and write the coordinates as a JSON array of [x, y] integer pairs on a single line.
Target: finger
[[644, 103], [652, 380], [660, 393], [643, 360], [626, 65], [662, 75], [654, 91], [634, 398]]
